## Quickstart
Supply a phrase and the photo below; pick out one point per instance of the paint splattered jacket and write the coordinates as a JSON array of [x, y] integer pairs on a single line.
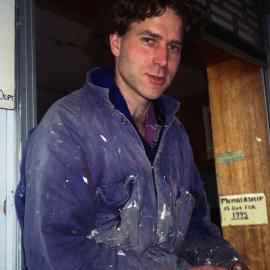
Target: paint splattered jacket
[[90, 199]]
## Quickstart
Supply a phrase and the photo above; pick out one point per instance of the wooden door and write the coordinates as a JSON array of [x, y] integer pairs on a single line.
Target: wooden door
[[239, 122]]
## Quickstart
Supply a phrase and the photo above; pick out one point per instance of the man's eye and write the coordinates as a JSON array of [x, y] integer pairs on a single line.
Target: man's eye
[[175, 48], [148, 41]]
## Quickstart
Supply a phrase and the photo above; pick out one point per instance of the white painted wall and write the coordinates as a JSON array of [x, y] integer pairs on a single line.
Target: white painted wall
[[9, 233], [7, 49]]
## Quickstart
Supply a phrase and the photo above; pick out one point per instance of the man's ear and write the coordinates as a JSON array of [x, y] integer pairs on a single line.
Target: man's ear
[[115, 44]]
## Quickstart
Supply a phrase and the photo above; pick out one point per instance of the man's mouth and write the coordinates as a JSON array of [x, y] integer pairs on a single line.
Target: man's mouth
[[158, 80]]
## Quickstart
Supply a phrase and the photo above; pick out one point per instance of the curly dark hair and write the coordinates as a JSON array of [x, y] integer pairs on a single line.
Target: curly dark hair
[[118, 15], [125, 12]]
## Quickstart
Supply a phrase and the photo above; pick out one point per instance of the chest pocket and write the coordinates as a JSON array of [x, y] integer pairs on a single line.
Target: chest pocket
[[114, 196], [184, 204], [122, 228]]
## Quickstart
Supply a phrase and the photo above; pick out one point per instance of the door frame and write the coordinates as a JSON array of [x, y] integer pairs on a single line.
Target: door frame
[[16, 123]]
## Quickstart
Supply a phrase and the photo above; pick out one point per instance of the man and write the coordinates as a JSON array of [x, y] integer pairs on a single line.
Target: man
[[108, 179]]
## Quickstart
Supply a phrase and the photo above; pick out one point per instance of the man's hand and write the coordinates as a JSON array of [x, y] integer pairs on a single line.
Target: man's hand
[[212, 267], [204, 267]]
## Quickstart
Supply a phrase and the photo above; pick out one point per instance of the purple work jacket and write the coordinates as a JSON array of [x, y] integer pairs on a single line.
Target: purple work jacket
[[89, 198]]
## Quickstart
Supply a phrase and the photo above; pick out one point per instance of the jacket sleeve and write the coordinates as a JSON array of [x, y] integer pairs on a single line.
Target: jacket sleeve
[[60, 205], [204, 243]]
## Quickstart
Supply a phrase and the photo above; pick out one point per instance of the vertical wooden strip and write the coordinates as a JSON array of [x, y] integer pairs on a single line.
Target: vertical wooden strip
[[239, 118]]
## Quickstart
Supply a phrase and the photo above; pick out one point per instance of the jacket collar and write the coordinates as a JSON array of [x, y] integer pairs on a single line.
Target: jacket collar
[[102, 83]]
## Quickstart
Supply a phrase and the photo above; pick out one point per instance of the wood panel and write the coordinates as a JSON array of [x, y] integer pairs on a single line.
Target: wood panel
[[239, 123]]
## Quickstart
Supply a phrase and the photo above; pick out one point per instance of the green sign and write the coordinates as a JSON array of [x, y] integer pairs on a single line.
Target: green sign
[[230, 157]]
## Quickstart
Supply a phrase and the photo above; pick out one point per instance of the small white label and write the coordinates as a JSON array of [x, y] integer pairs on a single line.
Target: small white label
[[245, 209], [7, 55]]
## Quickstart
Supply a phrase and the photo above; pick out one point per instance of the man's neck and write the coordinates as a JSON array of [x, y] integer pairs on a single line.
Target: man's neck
[[140, 117], [139, 111]]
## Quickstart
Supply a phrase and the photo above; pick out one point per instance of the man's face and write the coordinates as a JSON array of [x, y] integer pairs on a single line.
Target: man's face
[[147, 56]]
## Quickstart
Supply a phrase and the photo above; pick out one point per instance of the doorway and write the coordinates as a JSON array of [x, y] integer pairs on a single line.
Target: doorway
[[66, 49]]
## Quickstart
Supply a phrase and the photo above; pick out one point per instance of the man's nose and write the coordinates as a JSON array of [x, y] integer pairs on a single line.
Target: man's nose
[[161, 56]]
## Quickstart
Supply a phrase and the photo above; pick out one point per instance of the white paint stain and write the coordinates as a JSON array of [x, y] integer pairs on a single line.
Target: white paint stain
[[121, 253], [85, 180], [258, 139], [163, 212], [132, 205], [92, 234], [161, 237], [103, 138]]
